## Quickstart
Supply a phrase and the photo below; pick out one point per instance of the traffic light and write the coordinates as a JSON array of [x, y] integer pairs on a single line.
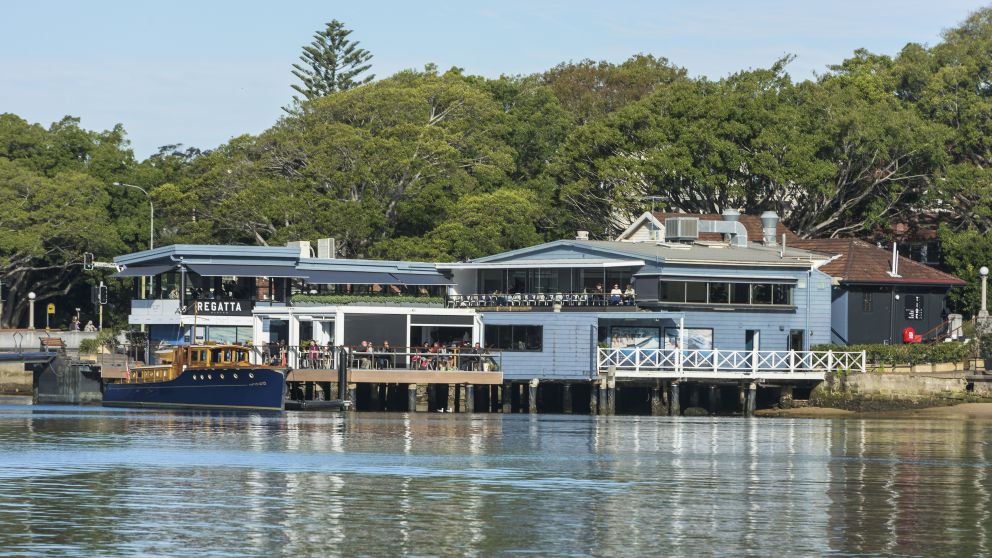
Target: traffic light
[[102, 297], [87, 260]]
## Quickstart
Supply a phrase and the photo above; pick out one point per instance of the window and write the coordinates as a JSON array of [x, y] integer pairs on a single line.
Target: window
[[781, 294], [719, 293], [515, 337], [671, 291], [703, 292], [761, 294], [867, 304], [740, 293], [695, 292]]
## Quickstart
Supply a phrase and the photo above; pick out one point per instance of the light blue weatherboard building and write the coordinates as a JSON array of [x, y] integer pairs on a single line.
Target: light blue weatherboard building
[[549, 307]]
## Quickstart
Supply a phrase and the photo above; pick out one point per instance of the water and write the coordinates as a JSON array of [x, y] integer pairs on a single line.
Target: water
[[97, 482]]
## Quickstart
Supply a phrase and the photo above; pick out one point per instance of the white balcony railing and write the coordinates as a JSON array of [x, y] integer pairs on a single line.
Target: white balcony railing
[[634, 362]]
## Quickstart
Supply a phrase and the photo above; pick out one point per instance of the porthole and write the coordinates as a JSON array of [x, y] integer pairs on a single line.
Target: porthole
[[251, 374], [210, 376], [235, 375], [221, 376]]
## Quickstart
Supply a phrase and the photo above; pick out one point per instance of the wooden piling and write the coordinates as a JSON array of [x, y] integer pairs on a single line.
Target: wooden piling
[[566, 398], [785, 397], [593, 398], [411, 398], [452, 398], [353, 396], [469, 398], [604, 408], [694, 394], [532, 395], [752, 399], [714, 399], [507, 398], [656, 408], [673, 400], [375, 403]]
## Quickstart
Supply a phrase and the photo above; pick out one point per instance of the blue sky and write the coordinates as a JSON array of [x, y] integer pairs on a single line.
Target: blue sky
[[199, 73]]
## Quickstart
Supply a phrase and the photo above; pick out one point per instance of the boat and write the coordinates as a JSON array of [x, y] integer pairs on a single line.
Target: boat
[[200, 377]]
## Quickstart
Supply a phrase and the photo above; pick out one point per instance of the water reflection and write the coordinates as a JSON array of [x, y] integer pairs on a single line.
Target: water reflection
[[84, 482]]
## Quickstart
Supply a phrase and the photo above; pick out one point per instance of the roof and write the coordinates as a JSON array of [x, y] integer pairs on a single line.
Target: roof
[[752, 223], [717, 253], [858, 261]]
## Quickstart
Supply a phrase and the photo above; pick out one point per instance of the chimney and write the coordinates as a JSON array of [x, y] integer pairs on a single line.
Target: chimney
[[769, 224], [582, 235], [731, 215]]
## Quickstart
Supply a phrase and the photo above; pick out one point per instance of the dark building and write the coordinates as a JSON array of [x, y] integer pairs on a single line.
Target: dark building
[[874, 303]]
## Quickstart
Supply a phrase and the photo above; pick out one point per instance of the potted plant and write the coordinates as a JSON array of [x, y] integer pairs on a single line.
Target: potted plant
[[88, 348]]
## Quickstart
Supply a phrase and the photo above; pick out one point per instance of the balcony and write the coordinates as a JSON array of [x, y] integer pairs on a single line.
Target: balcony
[[543, 301]]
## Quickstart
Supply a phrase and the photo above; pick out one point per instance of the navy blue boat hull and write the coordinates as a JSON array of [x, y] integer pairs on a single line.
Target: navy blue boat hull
[[214, 388]]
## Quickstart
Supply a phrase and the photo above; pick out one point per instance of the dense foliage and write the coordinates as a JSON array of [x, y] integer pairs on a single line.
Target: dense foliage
[[434, 165], [909, 354]]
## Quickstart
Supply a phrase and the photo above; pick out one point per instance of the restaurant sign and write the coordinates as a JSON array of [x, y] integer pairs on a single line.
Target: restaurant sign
[[227, 307]]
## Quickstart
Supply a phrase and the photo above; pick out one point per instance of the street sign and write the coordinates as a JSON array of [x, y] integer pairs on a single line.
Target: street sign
[[51, 308]]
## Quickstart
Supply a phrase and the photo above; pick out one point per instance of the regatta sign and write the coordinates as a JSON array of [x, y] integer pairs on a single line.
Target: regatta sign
[[230, 307]]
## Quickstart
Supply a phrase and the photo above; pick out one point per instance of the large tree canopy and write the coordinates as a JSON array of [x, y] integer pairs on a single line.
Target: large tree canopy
[[446, 166]]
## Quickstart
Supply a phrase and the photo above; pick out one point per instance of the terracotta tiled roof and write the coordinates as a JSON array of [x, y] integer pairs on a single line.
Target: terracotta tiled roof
[[752, 223], [861, 262]]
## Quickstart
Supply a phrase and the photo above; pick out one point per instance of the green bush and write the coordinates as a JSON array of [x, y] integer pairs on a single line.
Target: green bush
[[89, 346], [367, 299], [917, 353]]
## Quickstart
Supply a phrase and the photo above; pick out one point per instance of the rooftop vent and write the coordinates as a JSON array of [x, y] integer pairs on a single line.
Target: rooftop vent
[[326, 248], [731, 215], [681, 228], [582, 235], [769, 224], [303, 247]]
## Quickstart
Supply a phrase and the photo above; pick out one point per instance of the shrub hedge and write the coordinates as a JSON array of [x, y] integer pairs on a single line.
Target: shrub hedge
[[368, 299], [917, 353]]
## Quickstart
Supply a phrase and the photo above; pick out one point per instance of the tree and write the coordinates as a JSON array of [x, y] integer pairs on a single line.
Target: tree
[[331, 63]]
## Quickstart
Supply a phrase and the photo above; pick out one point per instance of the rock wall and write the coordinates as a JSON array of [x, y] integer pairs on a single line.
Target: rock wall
[[14, 380], [879, 392]]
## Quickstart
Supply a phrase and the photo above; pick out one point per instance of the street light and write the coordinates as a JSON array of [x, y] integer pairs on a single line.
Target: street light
[[151, 213], [983, 314], [31, 297]]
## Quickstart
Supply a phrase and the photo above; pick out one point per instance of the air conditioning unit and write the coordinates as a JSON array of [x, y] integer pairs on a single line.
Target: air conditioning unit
[[681, 228], [325, 248]]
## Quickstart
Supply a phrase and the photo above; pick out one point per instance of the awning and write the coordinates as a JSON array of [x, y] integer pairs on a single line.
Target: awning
[[328, 277], [545, 264], [717, 278], [422, 279], [225, 270], [145, 271]]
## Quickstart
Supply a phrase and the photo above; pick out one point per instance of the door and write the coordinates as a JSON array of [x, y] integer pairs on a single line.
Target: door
[[752, 340], [796, 340]]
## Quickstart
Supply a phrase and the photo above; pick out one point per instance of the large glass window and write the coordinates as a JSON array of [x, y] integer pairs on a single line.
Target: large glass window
[[761, 293], [740, 293], [671, 291], [719, 293], [703, 292], [695, 292], [514, 337]]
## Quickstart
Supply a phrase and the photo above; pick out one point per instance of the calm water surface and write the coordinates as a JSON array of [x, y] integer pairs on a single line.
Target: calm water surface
[[78, 481]]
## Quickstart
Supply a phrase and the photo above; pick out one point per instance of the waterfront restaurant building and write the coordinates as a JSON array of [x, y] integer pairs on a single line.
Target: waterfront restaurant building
[[546, 309]]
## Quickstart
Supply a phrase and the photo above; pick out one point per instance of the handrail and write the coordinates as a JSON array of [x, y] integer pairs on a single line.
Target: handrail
[[452, 359], [722, 360], [489, 300]]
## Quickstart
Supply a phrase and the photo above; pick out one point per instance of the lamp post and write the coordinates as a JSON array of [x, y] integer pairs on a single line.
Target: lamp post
[[983, 314], [151, 213], [31, 297]]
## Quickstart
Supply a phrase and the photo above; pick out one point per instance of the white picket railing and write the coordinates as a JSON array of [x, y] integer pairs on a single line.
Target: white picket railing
[[718, 362]]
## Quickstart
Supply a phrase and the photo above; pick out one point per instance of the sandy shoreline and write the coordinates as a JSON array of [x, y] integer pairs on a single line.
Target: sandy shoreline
[[960, 411]]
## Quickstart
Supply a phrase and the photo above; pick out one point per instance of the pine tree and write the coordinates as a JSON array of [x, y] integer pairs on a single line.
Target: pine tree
[[331, 63]]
